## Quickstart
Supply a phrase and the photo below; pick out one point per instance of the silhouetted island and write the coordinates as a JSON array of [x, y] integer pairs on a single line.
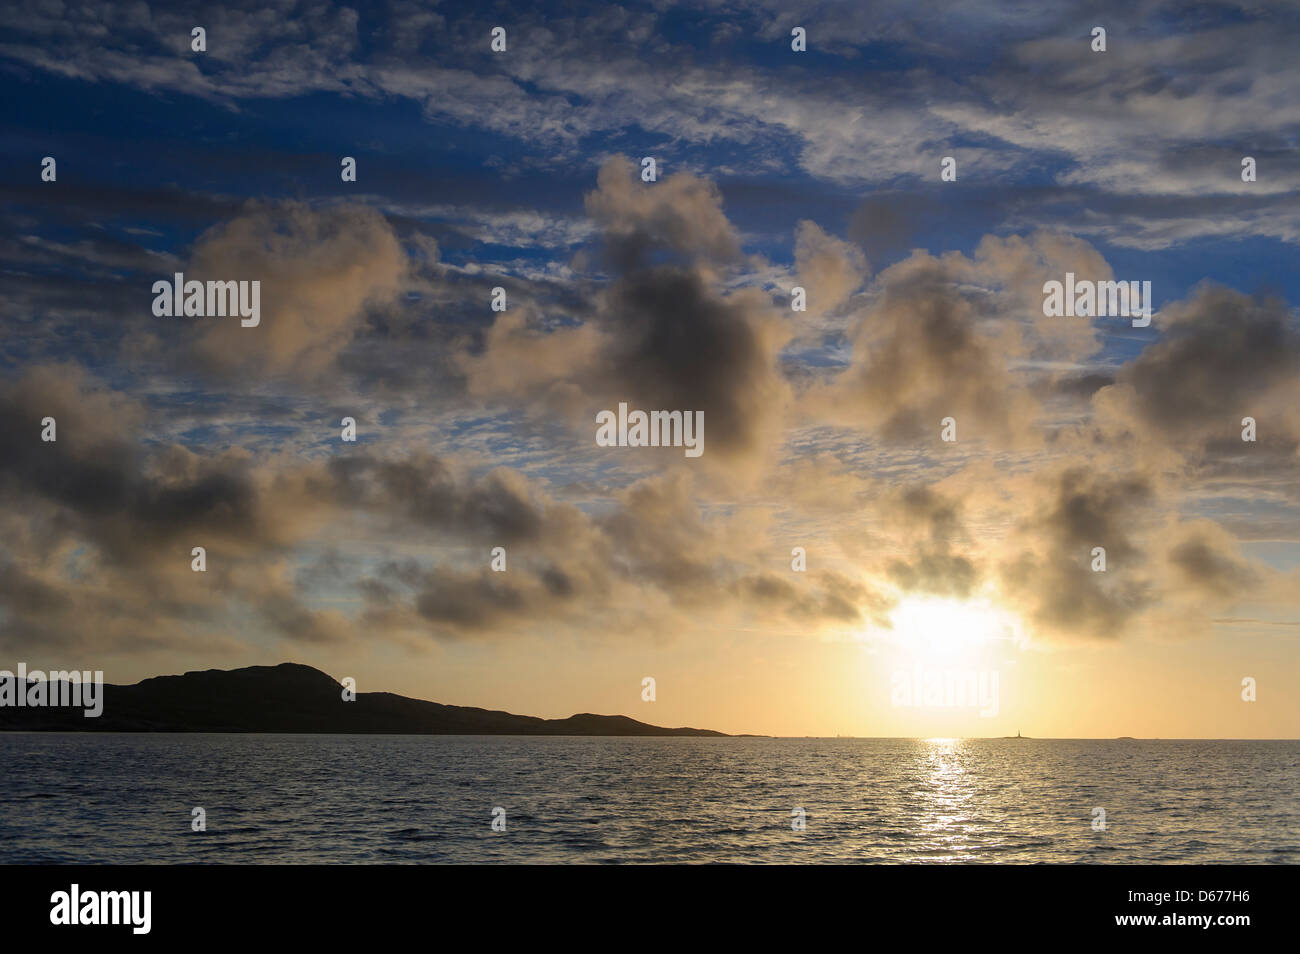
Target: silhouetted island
[[294, 698]]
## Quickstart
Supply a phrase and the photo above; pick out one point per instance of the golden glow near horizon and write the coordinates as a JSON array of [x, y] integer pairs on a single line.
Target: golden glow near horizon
[[773, 682]]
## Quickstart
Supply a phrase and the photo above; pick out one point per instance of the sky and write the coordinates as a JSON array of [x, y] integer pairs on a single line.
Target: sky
[[838, 548]]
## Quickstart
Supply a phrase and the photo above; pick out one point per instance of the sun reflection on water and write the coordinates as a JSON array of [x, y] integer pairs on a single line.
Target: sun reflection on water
[[944, 801]]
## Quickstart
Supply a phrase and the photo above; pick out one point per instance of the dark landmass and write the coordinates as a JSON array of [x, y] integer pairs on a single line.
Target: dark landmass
[[296, 698]]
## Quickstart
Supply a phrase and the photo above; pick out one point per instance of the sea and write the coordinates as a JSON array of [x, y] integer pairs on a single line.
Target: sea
[[275, 799]]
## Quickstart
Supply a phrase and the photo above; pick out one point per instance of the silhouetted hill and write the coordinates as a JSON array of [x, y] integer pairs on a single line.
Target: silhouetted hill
[[296, 698]]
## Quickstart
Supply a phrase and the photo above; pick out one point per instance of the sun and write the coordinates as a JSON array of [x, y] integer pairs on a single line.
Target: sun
[[947, 628]]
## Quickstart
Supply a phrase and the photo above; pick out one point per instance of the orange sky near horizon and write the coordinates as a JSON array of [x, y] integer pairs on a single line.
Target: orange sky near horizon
[[748, 682]]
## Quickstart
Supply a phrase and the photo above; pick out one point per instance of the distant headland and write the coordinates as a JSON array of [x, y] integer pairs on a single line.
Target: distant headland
[[295, 698]]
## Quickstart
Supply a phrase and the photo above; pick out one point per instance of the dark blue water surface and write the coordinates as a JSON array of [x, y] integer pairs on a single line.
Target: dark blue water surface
[[112, 798]]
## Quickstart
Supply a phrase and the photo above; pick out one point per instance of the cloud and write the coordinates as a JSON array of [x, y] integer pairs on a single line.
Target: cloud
[[683, 213], [932, 523], [1049, 573], [960, 337], [830, 269], [1206, 561], [922, 354], [1008, 96], [104, 522], [661, 335], [318, 268], [1221, 356]]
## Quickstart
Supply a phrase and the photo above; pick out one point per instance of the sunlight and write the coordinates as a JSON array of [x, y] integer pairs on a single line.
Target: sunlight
[[948, 628]]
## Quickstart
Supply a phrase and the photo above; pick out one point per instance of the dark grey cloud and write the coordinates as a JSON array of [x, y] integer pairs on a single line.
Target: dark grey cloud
[[1204, 566], [1222, 356], [1051, 573]]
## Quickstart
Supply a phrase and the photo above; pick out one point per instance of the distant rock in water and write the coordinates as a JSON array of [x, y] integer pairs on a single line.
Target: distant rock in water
[[296, 698]]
